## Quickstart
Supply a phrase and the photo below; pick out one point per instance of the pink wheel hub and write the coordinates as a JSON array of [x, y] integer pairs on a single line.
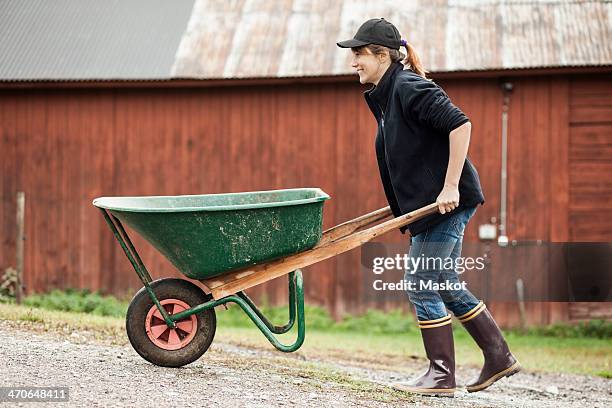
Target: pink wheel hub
[[165, 337]]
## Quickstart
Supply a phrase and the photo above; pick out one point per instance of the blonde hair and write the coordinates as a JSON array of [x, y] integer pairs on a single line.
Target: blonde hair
[[410, 60]]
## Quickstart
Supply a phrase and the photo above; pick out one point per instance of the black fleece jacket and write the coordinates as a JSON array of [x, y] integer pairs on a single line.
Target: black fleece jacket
[[415, 117]]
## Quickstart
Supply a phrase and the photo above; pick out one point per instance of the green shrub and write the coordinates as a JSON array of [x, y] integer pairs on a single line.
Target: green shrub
[[600, 329], [379, 322], [80, 301], [318, 318], [605, 374]]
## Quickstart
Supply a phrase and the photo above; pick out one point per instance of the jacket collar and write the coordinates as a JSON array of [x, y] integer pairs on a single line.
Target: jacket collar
[[380, 93]]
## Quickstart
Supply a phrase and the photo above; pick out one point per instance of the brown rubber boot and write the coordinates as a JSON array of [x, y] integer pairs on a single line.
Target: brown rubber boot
[[498, 360], [439, 379]]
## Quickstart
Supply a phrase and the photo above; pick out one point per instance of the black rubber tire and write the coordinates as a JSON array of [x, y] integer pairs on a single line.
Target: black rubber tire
[[170, 289]]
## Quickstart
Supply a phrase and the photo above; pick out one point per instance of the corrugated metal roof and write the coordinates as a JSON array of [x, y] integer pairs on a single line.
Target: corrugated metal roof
[[258, 38], [215, 39], [90, 39]]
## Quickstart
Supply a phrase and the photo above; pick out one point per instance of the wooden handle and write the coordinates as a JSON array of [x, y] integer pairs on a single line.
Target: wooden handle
[[398, 222], [346, 228]]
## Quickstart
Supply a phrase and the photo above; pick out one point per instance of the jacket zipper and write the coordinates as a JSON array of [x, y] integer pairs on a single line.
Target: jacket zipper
[[382, 132]]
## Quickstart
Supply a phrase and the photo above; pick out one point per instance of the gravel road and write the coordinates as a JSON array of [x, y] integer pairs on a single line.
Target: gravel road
[[102, 374]]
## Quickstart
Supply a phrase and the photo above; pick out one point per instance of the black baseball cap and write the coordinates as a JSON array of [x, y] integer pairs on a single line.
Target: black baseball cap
[[375, 31]]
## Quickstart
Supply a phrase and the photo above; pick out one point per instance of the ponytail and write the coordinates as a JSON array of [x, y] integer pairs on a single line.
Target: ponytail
[[412, 60]]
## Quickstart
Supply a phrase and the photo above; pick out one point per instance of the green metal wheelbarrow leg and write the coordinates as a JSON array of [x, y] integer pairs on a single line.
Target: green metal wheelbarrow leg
[[131, 253], [292, 305], [296, 301], [257, 317]]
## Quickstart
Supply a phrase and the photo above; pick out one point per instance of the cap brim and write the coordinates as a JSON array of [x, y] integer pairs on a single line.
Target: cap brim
[[352, 43]]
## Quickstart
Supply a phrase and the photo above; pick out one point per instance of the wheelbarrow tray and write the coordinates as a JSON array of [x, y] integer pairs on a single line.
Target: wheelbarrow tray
[[207, 235]]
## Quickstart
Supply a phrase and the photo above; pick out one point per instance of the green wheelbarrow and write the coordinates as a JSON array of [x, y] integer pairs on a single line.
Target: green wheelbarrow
[[228, 242]]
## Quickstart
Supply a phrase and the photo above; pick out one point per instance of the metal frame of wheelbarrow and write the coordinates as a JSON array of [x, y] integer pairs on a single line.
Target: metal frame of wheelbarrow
[[230, 286]]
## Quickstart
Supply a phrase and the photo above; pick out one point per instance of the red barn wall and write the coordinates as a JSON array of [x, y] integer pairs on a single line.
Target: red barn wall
[[64, 147]]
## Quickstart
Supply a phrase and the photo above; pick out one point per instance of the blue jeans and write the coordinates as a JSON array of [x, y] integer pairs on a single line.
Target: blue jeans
[[441, 241]]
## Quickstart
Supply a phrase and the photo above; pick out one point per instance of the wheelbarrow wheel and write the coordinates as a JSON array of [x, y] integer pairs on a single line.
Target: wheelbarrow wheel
[[154, 340]]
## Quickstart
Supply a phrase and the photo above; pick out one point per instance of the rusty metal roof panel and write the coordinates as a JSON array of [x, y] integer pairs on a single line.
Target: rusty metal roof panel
[[217, 39], [90, 39], [250, 39]]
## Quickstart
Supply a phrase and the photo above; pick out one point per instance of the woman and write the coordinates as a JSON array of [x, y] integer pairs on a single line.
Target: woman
[[421, 148]]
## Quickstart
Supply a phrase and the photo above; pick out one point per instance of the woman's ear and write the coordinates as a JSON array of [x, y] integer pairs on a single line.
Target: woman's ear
[[383, 57]]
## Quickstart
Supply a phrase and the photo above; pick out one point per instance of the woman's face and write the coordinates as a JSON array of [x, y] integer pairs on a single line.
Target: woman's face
[[369, 66]]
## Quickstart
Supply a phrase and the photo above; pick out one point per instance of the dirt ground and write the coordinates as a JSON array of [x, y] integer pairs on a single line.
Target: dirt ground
[[99, 373]]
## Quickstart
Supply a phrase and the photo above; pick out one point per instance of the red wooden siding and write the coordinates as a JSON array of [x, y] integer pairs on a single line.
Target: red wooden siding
[[590, 161], [65, 147], [590, 173]]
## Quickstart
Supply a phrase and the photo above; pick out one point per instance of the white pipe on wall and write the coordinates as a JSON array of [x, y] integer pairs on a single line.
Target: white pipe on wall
[[503, 238]]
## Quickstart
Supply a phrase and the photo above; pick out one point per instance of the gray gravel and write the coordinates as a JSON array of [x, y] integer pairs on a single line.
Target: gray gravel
[[99, 374]]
